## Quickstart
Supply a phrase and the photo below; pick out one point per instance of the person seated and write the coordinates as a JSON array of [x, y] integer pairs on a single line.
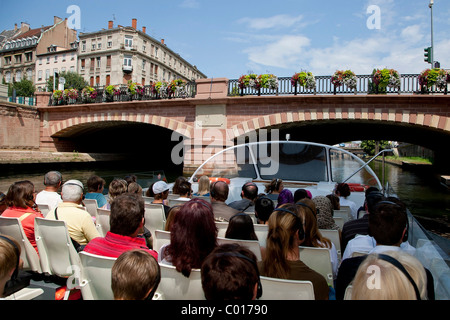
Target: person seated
[[343, 192], [160, 193], [135, 275], [263, 209], [325, 218], [230, 272], [50, 196], [274, 188], [282, 258], [20, 201], [388, 231], [126, 224], [203, 187], [185, 191], [248, 194], [96, 185], [79, 222], [9, 260], [399, 276], [241, 227], [285, 196], [134, 187], [116, 187], [219, 194], [193, 235]]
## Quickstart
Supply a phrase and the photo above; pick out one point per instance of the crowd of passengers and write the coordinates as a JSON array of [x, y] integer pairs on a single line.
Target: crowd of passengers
[[375, 236]]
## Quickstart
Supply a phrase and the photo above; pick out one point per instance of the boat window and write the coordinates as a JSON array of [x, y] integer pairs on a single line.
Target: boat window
[[232, 163], [292, 161], [344, 165]]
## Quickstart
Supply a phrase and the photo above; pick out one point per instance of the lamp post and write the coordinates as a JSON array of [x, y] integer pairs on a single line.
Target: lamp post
[[432, 40]]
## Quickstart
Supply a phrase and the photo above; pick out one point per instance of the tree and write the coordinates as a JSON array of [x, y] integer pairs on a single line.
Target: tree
[[73, 80], [24, 88], [370, 146]]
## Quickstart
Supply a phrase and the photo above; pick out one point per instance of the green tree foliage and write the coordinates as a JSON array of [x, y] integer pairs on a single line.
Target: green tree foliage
[[24, 88], [369, 146], [73, 80]]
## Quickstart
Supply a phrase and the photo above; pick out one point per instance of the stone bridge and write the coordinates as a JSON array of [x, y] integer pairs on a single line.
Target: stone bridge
[[213, 120]]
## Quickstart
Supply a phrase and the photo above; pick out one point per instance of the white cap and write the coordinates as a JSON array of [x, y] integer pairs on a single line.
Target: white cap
[[160, 187]]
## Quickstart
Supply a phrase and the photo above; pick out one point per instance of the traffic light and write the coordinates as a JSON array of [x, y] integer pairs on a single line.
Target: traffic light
[[427, 54]]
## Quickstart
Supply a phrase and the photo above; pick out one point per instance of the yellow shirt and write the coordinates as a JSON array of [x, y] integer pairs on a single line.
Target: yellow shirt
[[79, 222]]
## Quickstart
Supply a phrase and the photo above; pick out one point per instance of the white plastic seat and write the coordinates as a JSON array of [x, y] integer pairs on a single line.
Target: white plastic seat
[[102, 221], [12, 227], [348, 292], [339, 221], [222, 227], [333, 235], [57, 253], [283, 289], [319, 260], [45, 208], [175, 202], [91, 207], [207, 199], [252, 245], [175, 286], [96, 276], [261, 231], [148, 199], [344, 213], [155, 217], [160, 238], [25, 294]]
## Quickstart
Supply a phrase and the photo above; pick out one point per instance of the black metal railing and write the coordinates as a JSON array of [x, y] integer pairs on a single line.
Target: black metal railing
[[409, 84], [122, 94]]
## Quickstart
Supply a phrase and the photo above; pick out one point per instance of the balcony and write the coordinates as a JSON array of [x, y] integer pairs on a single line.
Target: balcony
[[127, 69]]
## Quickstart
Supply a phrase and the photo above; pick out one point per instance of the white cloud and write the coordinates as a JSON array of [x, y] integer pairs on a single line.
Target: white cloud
[[282, 53], [278, 21]]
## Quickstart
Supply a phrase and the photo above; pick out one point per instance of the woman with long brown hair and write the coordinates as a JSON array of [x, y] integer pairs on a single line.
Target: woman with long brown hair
[[20, 200], [282, 257]]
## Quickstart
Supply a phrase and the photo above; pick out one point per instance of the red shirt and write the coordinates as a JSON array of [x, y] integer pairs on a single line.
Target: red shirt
[[27, 222], [113, 245]]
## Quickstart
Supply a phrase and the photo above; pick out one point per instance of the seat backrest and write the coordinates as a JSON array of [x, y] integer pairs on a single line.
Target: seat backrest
[[96, 276], [207, 199], [339, 221], [175, 202], [91, 207], [13, 228], [155, 218], [319, 260], [44, 208], [344, 213], [102, 221], [222, 227], [148, 199], [175, 286], [57, 253], [253, 216], [160, 238], [252, 245], [282, 289], [334, 237], [261, 231], [348, 292]]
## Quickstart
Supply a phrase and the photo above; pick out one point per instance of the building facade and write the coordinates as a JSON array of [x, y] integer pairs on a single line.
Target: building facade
[[119, 54], [18, 54]]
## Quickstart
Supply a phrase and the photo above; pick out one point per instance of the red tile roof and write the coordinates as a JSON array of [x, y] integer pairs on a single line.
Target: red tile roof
[[31, 33]]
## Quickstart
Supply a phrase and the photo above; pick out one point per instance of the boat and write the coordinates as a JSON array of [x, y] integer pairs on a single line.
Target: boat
[[318, 168]]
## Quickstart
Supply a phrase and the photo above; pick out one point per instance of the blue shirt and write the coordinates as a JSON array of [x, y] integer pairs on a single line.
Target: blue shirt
[[101, 200]]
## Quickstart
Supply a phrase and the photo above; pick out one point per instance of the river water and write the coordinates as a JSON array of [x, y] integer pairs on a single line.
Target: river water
[[422, 192]]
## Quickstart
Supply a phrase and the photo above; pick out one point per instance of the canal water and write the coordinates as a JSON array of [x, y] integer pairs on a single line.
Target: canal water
[[421, 190]]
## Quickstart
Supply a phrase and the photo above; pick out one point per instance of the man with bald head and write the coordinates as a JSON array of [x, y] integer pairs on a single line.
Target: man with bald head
[[219, 194]]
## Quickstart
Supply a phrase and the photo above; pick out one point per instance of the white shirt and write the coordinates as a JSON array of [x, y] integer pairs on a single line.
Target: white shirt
[[52, 199], [334, 259], [367, 244], [348, 203]]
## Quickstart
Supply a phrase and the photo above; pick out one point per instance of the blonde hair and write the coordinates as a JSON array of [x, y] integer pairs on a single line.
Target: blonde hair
[[392, 282], [280, 240], [313, 237], [203, 185]]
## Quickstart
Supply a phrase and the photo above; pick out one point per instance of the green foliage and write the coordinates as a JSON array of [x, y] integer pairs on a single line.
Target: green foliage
[[369, 146], [73, 80], [24, 88]]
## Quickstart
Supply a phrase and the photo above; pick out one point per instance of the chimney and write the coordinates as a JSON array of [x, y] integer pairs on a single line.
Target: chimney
[[134, 23], [56, 19], [144, 29], [15, 27], [110, 24], [162, 41]]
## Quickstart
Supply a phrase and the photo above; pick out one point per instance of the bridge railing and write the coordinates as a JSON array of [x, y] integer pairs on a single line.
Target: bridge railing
[[122, 95], [409, 85]]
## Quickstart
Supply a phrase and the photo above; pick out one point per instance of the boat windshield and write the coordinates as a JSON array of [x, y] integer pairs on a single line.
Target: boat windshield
[[288, 160]]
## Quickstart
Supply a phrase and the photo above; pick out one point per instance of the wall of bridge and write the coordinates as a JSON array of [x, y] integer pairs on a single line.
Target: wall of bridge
[[213, 120]]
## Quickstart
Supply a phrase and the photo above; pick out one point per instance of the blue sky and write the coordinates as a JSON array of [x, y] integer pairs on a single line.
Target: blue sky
[[230, 38]]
